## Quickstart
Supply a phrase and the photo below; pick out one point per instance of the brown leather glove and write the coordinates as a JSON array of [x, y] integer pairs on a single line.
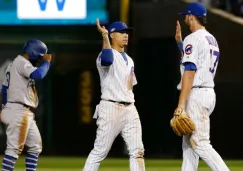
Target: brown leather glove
[[181, 123]]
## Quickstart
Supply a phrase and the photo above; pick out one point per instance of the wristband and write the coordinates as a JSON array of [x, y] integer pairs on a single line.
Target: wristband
[[104, 33]]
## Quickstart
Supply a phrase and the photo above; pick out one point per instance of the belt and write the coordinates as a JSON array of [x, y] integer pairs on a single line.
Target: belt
[[201, 87], [123, 103], [25, 105]]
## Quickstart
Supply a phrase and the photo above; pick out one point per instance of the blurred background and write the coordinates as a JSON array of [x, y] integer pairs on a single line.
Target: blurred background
[[71, 90]]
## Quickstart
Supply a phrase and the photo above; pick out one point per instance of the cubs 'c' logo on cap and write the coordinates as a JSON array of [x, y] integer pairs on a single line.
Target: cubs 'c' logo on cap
[[188, 49], [113, 29]]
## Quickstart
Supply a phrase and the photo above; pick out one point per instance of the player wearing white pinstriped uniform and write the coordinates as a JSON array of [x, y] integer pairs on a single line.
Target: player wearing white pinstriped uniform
[[116, 112], [201, 48], [117, 83], [199, 62]]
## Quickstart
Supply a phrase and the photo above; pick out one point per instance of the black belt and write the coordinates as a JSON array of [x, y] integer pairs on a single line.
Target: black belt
[[25, 105], [123, 103], [201, 87]]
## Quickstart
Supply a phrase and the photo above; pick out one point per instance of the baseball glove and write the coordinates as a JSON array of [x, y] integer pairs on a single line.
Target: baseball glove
[[181, 123]]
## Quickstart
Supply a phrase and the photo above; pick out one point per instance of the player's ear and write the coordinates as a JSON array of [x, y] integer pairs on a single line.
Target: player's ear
[[112, 35]]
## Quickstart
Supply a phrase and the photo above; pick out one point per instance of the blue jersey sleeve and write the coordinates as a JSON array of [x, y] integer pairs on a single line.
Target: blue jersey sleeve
[[189, 66]]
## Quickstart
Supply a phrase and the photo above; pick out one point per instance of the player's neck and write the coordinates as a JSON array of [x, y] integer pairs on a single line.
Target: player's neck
[[25, 56], [196, 27], [118, 48]]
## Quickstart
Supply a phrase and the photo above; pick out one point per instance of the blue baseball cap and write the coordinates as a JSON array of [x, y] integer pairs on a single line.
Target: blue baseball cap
[[195, 8], [118, 26]]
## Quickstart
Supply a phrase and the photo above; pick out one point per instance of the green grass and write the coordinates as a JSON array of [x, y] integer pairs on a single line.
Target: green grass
[[76, 164]]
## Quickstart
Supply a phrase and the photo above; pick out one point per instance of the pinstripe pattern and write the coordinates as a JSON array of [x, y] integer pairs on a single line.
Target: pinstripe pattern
[[115, 79], [114, 118], [201, 102], [201, 57]]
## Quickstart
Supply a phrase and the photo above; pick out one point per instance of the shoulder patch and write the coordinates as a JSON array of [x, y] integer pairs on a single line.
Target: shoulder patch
[[188, 49]]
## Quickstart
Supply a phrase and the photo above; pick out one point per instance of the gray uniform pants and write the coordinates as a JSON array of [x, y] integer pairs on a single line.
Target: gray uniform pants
[[21, 130]]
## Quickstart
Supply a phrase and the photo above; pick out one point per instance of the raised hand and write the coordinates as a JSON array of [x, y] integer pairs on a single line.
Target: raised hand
[[47, 57], [178, 36], [102, 29]]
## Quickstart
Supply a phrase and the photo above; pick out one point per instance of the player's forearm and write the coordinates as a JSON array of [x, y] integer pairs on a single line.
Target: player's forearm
[[180, 46], [41, 71], [187, 83], [106, 41]]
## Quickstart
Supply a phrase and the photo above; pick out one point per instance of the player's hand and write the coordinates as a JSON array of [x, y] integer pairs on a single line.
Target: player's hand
[[178, 36], [102, 29], [47, 57]]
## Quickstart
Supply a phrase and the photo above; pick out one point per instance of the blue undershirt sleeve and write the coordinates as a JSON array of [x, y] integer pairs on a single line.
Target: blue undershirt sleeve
[[106, 57], [41, 71], [189, 66], [180, 45], [4, 94]]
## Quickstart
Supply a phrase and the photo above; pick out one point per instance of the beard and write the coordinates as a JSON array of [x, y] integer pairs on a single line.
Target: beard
[[187, 26]]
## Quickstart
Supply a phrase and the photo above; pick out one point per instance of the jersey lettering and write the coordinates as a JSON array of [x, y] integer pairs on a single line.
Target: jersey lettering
[[215, 58], [201, 48]]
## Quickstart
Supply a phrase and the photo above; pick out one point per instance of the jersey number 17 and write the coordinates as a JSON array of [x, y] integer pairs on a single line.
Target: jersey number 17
[[214, 57]]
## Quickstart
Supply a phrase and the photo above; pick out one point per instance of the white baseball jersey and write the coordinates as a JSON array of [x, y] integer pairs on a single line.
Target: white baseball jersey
[[20, 87], [201, 48], [118, 79]]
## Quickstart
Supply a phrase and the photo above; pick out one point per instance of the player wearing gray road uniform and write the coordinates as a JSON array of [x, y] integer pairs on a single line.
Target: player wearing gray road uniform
[[19, 97], [116, 112], [200, 56]]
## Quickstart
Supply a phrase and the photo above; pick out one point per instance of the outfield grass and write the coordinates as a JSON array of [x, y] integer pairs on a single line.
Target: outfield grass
[[75, 164]]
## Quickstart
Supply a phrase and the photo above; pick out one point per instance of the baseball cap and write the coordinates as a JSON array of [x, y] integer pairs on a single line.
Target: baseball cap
[[195, 8], [118, 26]]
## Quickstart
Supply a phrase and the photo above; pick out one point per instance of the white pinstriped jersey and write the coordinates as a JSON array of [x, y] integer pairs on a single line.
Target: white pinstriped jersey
[[201, 48], [118, 79], [20, 87]]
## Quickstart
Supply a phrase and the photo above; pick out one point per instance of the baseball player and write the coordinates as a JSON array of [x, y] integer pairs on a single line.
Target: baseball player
[[116, 112], [19, 99], [199, 62]]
